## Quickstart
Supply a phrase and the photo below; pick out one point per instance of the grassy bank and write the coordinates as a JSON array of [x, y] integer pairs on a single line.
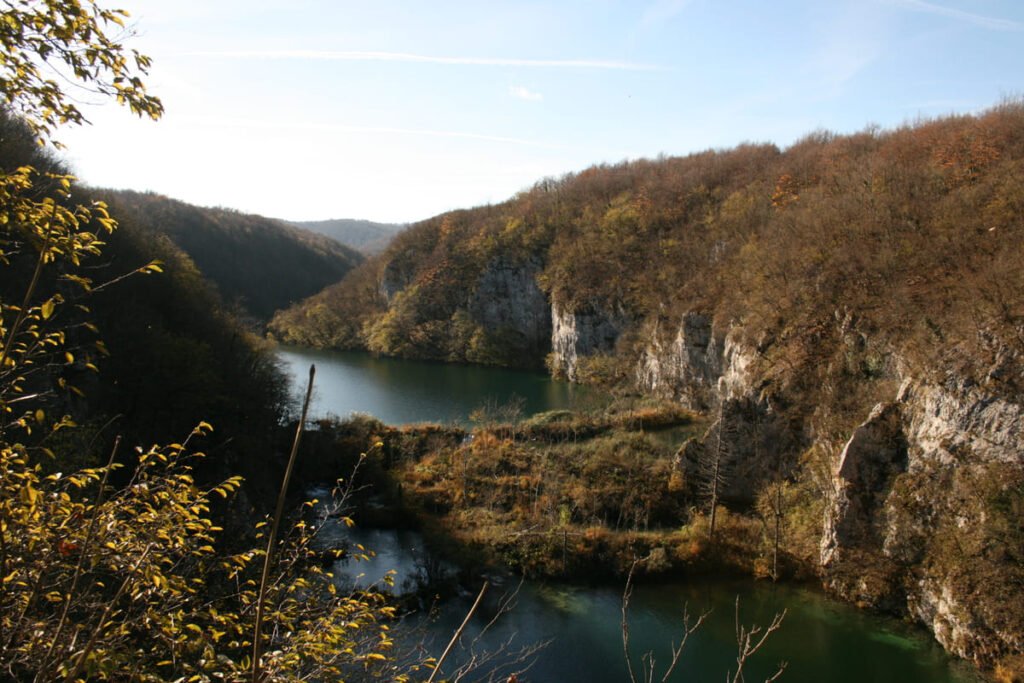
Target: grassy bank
[[568, 495]]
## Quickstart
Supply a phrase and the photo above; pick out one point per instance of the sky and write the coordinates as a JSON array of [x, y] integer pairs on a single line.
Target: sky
[[396, 111]]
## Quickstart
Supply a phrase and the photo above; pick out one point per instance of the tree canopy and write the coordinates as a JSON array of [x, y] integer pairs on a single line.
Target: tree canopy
[[52, 49], [119, 571]]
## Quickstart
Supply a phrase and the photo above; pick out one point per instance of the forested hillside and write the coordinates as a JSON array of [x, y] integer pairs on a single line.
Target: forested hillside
[[908, 235], [258, 264], [114, 559], [167, 352], [366, 237], [848, 311]]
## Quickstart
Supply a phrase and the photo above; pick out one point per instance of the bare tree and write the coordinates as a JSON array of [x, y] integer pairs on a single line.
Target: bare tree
[[647, 659], [504, 663], [748, 641], [714, 465]]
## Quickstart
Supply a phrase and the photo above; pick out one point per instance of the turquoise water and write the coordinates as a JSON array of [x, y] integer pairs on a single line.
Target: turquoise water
[[820, 640]]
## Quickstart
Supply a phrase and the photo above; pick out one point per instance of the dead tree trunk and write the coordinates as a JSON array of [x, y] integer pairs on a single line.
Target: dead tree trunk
[[713, 468]]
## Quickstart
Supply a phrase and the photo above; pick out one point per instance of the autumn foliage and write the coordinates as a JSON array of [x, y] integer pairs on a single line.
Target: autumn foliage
[[113, 568], [911, 236]]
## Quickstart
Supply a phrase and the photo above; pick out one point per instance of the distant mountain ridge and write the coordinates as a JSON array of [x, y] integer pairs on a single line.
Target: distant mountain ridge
[[258, 264], [367, 237]]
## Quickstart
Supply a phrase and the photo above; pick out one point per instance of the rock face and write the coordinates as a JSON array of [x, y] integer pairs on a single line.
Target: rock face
[[507, 301], [958, 514], [855, 522], [925, 520], [875, 454], [697, 365], [576, 334], [710, 370], [685, 366], [393, 280], [944, 420]]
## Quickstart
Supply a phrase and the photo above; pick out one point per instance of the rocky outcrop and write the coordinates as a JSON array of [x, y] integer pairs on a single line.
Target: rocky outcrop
[[855, 522], [961, 416], [578, 333], [957, 514], [695, 364], [925, 519], [393, 280], [923, 514], [507, 301], [708, 369], [869, 463], [685, 366]]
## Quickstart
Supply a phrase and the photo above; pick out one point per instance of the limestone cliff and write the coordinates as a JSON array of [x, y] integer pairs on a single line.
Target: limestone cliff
[[922, 513], [711, 370], [507, 301], [695, 364], [576, 334], [925, 519]]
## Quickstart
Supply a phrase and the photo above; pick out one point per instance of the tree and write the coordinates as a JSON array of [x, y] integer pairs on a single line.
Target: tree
[[748, 639], [49, 41], [108, 574], [714, 464]]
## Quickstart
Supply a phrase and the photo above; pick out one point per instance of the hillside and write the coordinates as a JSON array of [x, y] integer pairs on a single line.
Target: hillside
[[151, 355], [848, 310], [258, 264], [366, 237], [883, 226]]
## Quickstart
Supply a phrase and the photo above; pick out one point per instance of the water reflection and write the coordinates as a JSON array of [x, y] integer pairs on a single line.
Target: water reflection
[[401, 391], [820, 640]]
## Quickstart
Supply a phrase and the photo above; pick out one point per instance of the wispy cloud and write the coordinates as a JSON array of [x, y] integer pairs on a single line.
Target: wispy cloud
[[523, 93], [841, 62], [348, 56], [257, 124], [993, 23]]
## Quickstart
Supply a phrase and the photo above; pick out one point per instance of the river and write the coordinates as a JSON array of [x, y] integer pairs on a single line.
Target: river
[[820, 639]]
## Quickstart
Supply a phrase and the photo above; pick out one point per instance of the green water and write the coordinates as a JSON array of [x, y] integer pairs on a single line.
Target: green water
[[820, 640], [401, 391]]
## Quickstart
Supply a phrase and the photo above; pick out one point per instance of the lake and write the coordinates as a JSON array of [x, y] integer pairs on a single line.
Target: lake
[[820, 639], [399, 391]]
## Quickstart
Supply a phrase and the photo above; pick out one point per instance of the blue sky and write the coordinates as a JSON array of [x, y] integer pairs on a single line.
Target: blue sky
[[396, 111]]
